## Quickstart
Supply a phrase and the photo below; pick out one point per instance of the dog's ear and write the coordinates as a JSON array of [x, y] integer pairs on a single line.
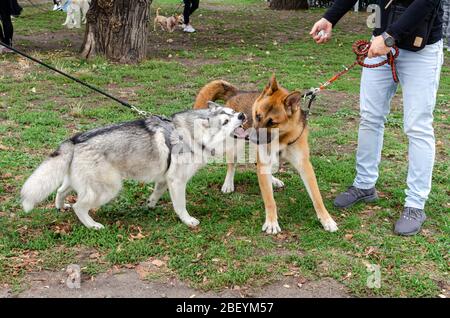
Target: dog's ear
[[271, 87], [213, 106], [292, 102]]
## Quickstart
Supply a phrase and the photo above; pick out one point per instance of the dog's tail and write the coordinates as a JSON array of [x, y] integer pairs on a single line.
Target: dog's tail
[[157, 11], [214, 90], [47, 177]]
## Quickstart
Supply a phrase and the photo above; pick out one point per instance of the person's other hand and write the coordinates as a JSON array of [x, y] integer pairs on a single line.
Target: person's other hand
[[378, 48], [321, 31]]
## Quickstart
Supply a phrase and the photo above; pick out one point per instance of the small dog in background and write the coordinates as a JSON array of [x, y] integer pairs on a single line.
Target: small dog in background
[[76, 13], [167, 23]]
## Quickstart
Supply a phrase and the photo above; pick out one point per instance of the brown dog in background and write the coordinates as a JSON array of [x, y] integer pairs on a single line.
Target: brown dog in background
[[167, 23], [273, 108]]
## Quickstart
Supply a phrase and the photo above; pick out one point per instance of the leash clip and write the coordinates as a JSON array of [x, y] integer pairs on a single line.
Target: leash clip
[[140, 112], [311, 96], [311, 92]]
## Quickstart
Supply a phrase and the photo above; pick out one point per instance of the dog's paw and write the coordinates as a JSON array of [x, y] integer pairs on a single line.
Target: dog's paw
[[96, 226], [228, 187], [64, 208], [191, 222], [271, 227], [329, 225], [277, 183]]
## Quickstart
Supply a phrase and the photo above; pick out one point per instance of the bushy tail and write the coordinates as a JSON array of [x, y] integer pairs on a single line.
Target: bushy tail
[[47, 177], [214, 90]]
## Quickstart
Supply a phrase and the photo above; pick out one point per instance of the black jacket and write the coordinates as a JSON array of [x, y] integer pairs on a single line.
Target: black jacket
[[407, 23]]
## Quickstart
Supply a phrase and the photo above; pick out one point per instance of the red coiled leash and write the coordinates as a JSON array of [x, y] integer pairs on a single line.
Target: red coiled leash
[[361, 48]]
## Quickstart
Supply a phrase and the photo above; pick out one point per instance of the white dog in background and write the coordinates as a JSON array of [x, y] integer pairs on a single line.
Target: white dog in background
[[76, 13]]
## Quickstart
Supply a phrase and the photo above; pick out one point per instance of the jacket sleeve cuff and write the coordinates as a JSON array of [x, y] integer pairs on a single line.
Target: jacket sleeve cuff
[[331, 18], [392, 31]]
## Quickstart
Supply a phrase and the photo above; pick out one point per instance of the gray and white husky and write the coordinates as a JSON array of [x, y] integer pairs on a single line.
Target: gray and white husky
[[156, 149]]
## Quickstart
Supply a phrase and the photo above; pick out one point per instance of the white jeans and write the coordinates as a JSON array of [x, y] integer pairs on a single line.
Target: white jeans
[[418, 73]]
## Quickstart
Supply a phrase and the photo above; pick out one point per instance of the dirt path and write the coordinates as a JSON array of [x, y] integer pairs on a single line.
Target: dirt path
[[127, 283]]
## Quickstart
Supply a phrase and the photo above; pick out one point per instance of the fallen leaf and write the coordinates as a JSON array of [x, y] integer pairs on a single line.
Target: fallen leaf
[[138, 236], [142, 271], [158, 263], [347, 276], [370, 250], [348, 236], [94, 255]]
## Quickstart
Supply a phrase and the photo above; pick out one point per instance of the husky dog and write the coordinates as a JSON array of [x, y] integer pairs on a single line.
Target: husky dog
[[167, 23], [94, 163], [76, 13]]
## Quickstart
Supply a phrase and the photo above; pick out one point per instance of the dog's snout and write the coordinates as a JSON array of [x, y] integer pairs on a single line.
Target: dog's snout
[[242, 116]]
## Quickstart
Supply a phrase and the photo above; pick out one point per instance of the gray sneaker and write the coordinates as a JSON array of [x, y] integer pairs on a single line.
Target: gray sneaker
[[410, 221], [353, 195]]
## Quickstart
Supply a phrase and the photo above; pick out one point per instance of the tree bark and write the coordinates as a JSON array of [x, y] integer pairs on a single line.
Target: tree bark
[[117, 29], [289, 4]]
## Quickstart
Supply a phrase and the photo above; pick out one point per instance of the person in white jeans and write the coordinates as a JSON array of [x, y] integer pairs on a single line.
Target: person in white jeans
[[418, 73]]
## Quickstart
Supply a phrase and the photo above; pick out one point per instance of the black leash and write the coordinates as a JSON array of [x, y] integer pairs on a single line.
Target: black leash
[[311, 96], [123, 103]]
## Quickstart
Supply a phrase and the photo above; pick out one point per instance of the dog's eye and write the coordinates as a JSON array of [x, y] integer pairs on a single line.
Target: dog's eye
[[258, 117], [226, 122]]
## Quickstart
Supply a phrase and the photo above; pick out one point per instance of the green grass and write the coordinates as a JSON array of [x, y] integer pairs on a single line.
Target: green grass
[[243, 43]]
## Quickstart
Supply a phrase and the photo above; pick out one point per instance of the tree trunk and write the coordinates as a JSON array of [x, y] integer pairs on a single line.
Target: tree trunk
[[117, 29], [289, 4]]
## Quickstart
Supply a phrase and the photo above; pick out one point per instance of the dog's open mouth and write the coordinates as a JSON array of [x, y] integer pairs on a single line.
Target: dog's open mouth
[[240, 133]]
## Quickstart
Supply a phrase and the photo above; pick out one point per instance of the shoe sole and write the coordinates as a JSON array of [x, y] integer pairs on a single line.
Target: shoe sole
[[410, 233], [407, 234], [367, 199]]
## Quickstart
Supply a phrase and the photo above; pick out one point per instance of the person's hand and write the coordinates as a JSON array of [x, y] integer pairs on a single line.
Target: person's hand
[[378, 48], [321, 31]]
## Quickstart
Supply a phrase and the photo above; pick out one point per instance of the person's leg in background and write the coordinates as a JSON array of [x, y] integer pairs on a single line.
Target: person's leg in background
[[376, 91], [189, 7], [6, 33], [186, 11], [194, 6], [419, 74]]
